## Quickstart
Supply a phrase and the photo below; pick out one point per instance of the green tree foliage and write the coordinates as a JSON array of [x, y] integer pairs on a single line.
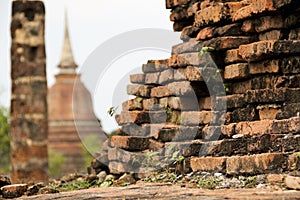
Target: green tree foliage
[[4, 141], [90, 145], [56, 161]]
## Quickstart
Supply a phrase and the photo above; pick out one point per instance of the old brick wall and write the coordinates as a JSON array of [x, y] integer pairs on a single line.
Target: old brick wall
[[29, 93], [255, 46]]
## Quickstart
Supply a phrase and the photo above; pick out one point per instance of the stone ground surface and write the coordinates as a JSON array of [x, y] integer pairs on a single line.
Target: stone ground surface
[[167, 191]]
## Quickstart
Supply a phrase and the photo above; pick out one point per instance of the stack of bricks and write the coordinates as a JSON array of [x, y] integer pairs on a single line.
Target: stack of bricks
[[255, 46], [29, 124]]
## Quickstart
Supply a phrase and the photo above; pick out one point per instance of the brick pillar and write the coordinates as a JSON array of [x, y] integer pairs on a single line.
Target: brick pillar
[[29, 123]]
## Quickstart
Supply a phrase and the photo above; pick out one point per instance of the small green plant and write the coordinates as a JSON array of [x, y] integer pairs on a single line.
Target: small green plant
[[176, 158], [90, 144], [136, 103], [250, 182], [112, 111], [168, 110], [56, 162], [295, 165], [212, 73], [205, 50], [107, 183], [75, 185], [208, 183], [81, 184], [4, 141]]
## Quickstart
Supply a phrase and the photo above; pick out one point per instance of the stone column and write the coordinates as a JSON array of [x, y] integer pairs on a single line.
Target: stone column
[[29, 123]]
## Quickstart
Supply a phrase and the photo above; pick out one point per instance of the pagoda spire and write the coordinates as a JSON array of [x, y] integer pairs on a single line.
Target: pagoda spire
[[67, 63]]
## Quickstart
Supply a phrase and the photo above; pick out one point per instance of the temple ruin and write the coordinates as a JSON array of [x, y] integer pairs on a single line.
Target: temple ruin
[[71, 115], [249, 124]]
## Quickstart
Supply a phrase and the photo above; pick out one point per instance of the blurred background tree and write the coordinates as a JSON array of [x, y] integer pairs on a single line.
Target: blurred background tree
[[4, 141]]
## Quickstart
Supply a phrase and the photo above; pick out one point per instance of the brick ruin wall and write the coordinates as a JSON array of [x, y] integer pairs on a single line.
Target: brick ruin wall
[[29, 125], [255, 45]]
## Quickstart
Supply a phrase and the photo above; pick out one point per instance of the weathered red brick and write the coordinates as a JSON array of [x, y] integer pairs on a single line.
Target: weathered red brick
[[254, 128], [243, 114], [217, 12], [269, 48], [268, 111], [196, 118], [271, 35], [14, 191], [210, 164], [193, 74], [205, 33], [288, 110], [259, 6], [149, 104], [161, 91], [186, 47], [183, 103], [205, 103], [119, 167], [135, 130], [139, 90], [236, 71], [130, 142], [227, 42], [180, 14], [274, 178], [233, 56], [121, 155], [256, 164], [166, 76], [181, 88], [133, 117], [186, 59], [294, 34], [290, 65], [152, 78], [266, 95], [133, 104], [228, 130], [269, 66], [230, 101], [155, 66], [137, 78], [189, 32], [174, 3], [155, 145]]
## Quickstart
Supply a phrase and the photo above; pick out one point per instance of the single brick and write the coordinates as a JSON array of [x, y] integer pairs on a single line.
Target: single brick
[[210, 164], [166, 76], [130, 142], [268, 48], [160, 91], [266, 95], [139, 90], [236, 71], [196, 118], [133, 117], [268, 111], [269, 66], [137, 78], [119, 167], [152, 78], [233, 56], [14, 191], [254, 128], [256, 164]]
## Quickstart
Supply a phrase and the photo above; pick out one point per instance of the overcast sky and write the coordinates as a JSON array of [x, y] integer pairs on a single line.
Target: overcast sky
[[91, 23]]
